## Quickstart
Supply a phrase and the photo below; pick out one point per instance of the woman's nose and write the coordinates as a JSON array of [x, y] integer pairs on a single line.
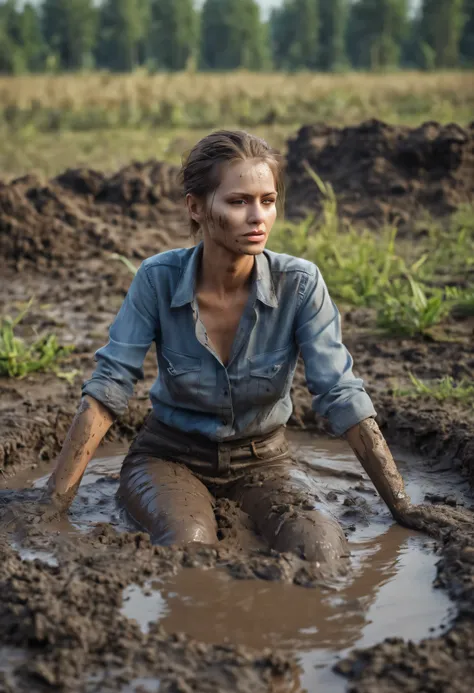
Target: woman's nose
[[256, 214]]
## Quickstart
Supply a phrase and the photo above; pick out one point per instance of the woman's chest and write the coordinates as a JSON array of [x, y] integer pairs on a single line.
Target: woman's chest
[[220, 320]]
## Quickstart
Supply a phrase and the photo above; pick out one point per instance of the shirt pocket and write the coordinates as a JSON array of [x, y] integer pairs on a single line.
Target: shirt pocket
[[182, 374], [268, 374]]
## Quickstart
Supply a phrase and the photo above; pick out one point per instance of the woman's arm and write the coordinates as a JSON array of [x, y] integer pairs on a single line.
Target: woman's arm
[[372, 451], [89, 426], [107, 392], [340, 396]]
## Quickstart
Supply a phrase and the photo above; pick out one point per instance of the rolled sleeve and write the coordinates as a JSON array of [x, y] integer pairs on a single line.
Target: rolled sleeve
[[338, 394], [120, 361]]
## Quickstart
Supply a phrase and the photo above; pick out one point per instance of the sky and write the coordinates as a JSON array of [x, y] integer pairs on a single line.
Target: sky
[[267, 5]]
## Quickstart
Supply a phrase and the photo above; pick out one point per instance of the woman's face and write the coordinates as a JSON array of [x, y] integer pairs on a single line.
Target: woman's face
[[240, 213]]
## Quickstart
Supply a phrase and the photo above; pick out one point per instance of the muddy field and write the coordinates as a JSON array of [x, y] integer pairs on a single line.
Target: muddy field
[[61, 627]]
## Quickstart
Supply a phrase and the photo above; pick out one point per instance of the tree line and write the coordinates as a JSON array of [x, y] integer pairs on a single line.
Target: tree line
[[328, 35]]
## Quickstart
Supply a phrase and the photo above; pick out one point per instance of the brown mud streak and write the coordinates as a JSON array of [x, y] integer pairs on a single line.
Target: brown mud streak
[[64, 230]]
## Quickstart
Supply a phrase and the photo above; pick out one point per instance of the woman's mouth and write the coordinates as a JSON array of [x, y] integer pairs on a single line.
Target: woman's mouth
[[255, 236]]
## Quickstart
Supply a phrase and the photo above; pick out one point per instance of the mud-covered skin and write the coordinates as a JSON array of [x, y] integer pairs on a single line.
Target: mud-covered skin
[[372, 451], [88, 427]]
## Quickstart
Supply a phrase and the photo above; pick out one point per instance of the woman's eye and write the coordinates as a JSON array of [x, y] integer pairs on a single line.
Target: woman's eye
[[238, 202], [268, 202]]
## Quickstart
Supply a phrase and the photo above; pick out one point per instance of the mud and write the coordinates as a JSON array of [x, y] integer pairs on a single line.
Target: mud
[[82, 215], [95, 566], [60, 625], [383, 174]]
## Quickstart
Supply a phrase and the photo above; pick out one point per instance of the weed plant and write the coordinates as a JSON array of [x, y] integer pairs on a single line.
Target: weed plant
[[410, 312], [444, 389], [128, 264], [18, 359]]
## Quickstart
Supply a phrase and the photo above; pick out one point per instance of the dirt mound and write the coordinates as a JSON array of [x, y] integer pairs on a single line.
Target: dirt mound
[[82, 213], [382, 173]]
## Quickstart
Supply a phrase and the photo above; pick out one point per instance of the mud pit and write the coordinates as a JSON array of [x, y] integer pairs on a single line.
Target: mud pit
[[388, 589], [61, 625]]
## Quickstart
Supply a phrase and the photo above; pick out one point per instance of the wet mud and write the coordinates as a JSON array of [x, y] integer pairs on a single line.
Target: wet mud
[[92, 570], [61, 625]]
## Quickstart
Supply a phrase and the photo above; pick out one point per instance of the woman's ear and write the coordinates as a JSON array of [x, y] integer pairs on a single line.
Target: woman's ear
[[196, 208]]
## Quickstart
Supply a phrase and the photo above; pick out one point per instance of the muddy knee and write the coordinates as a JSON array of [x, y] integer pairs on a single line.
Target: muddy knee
[[187, 531], [312, 536]]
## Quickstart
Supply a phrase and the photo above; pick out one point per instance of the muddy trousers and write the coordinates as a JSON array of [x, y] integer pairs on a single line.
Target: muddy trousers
[[169, 481]]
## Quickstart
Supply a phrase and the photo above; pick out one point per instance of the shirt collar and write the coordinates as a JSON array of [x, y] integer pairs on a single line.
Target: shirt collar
[[265, 289], [187, 282]]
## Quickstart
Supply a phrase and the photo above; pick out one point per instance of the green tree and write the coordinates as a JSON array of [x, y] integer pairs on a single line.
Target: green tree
[[441, 28], [123, 30], [295, 34], [22, 46], [32, 39], [69, 27], [280, 35], [377, 29], [232, 35], [173, 35], [332, 35], [467, 39], [12, 57]]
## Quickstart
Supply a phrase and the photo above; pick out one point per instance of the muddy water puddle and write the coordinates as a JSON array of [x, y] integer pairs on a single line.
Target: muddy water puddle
[[389, 591]]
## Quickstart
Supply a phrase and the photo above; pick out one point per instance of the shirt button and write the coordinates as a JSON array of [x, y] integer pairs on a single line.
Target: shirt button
[[224, 422], [226, 392]]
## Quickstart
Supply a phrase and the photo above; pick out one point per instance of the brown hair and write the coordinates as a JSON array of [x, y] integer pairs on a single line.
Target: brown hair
[[201, 168]]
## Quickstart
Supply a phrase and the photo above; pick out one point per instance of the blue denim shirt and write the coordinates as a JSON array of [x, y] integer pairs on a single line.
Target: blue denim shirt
[[289, 311]]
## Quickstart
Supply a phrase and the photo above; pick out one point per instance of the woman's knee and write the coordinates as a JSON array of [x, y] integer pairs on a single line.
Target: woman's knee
[[201, 530], [168, 532], [312, 536]]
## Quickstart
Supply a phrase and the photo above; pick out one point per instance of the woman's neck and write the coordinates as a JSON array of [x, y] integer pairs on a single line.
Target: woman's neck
[[223, 272]]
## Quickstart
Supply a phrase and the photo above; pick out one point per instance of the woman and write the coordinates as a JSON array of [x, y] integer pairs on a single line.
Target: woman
[[228, 319]]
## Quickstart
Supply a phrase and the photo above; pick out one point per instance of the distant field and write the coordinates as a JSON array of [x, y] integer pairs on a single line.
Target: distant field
[[48, 154], [90, 101], [50, 122]]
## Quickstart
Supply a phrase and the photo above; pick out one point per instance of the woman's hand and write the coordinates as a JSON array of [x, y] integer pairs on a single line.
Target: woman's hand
[[429, 518], [22, 514]]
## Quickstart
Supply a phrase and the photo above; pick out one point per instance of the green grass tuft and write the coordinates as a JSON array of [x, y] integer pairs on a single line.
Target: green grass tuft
[[18, 358], [442, 390]]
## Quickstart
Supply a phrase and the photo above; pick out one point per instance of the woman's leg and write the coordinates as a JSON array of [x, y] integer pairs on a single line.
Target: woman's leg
[[166, 500], [282, 502]]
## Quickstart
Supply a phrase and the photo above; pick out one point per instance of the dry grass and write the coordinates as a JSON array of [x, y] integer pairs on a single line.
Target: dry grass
[[102, 100]]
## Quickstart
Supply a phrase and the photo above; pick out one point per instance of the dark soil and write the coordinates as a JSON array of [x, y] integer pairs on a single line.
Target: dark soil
[[56, 238], [83, 214], [382, 174]]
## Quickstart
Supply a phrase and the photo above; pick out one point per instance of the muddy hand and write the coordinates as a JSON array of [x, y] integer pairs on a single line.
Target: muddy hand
[[24, 514], [429, 518]]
